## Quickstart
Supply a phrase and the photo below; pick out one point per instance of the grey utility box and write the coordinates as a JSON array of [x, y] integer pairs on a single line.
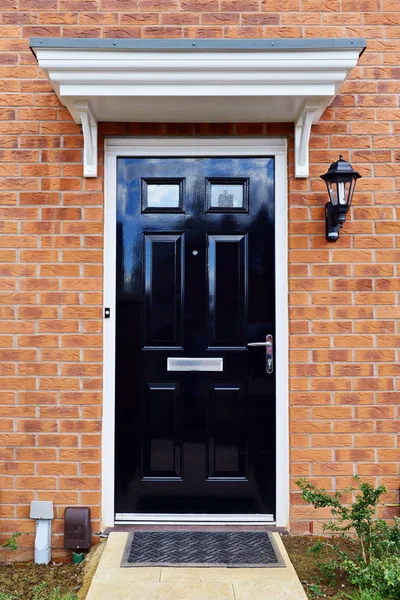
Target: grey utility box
[[77, 528]]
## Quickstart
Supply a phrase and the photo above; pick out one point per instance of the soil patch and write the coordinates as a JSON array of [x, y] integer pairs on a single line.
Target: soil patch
[[18, 579], [307, 569]]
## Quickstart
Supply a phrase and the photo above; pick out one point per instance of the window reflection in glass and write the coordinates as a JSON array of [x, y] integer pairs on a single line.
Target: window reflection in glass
[[227, 196], [163, 195]]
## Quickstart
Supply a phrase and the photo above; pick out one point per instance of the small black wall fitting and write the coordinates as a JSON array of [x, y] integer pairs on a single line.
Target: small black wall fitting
[[340, 181]]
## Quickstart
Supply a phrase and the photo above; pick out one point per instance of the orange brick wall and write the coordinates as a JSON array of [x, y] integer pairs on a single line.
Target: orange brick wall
[[344, 313]]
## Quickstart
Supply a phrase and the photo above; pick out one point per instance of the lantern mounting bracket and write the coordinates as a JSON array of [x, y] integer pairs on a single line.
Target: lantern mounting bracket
[[89, 130], [302, 130]]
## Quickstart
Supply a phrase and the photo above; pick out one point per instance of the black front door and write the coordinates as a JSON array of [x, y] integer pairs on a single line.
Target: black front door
[[195, 280]]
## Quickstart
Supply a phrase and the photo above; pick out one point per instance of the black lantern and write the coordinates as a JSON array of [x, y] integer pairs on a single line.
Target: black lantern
[[340, 180]]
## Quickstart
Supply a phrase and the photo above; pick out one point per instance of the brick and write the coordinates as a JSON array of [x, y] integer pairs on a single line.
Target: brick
[[239, 5], [374, 326], [16, 439], [57, 468], [284, 5], [82, 370], [332, 412], [81, 341], [37, 369], [353, 398], [79, 483], [389, 455], [37, 312], [310, 427], [373, 383], [61, 213], [57, 441], [61, 156], [353, 426], [58, 354], [354, 455], [33, 397], [39, 198], [82, 426], [39, 454], [80, 398], [37, 341], [17, 383], [59, 383], [331, 355], [333, 468], [80, 454], [374, 440], [311, 455], [191, 5], [373, 355], [388, 426], [35, 483], [377, 469], [310, 398]]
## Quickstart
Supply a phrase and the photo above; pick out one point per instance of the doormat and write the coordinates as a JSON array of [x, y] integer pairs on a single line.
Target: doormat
[[201, 549]]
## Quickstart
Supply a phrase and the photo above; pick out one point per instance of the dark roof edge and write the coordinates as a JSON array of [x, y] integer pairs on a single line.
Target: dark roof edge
[[200, 44]]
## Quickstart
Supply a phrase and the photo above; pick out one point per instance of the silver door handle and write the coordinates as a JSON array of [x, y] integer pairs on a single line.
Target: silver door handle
[[269, 352]]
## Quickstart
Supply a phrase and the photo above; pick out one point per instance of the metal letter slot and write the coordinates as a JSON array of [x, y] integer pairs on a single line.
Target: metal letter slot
[[195, 364], [269, 352]]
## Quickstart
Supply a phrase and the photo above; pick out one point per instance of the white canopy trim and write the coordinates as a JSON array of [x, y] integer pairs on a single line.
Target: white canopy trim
[[196, 81]]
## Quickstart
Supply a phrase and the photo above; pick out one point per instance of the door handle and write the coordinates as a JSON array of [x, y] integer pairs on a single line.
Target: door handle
[[269, 352]]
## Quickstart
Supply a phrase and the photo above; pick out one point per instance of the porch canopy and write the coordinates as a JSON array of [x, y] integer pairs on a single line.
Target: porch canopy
[[197, 81]]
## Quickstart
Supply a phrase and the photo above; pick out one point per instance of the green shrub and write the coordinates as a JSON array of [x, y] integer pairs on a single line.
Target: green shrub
[[372, 563], [4, 596]]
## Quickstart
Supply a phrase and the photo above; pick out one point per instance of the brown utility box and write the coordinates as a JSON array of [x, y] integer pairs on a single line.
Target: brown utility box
[[77, 528]]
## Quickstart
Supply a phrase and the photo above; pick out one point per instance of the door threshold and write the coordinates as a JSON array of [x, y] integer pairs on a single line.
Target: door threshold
[[192, 519]]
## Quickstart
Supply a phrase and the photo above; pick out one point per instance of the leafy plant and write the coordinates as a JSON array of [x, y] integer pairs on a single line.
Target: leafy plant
[[12, 543], [314, 589], [372, 562], [357, 595], [43, 592], [4, 596]]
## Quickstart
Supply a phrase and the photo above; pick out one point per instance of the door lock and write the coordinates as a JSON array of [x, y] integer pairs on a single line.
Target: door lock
[[269, 352]]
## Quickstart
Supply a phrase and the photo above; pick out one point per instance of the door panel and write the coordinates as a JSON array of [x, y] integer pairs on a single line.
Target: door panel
[[227, 427], [163, 285], [162, 431], [227, 290], [195, 279]]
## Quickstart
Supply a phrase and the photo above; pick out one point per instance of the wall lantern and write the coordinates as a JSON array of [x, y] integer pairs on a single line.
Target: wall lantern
[[340, 180]]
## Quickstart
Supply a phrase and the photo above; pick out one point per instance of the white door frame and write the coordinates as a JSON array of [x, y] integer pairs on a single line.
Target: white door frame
[[186, 147]]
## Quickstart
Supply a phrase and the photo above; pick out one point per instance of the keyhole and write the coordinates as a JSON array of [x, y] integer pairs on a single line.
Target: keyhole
[[195, 253]]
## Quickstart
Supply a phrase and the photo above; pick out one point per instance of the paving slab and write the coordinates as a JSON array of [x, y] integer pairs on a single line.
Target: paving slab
[[113, 582]]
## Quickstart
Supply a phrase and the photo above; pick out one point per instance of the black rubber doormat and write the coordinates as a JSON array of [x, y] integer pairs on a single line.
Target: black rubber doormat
[[201, 549]]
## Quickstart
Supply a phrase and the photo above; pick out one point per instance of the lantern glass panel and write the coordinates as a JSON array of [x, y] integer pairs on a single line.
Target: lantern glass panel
[[351, 190], [340, 191], [332, 192], [343, 191]]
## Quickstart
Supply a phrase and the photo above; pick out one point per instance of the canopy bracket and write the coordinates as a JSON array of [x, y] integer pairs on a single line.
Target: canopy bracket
[[89, 130], [302, 131]]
